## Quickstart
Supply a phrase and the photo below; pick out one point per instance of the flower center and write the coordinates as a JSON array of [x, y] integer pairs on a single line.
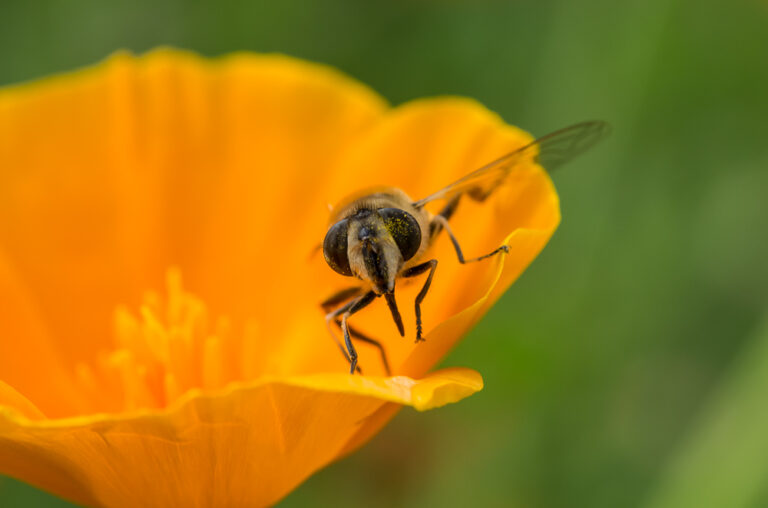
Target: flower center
[[166, 349]]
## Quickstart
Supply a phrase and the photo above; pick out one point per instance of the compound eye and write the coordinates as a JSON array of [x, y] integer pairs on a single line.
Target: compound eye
[[335, 248], [404, 230]]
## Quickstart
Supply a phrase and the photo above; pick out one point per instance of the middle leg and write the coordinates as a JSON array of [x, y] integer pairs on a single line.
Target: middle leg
[[444, 224]]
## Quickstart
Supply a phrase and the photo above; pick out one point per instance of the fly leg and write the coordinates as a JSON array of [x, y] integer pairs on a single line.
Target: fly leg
[[436, 225], [332, 315], [358, 335], [337, 298], [444, 223], [413, 271], [354, 306]]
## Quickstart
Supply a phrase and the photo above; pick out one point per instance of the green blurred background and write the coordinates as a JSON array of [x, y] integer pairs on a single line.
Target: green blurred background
[[629, 365]]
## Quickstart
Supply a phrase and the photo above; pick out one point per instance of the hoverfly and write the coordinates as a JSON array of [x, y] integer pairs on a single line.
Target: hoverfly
[[382, 236]]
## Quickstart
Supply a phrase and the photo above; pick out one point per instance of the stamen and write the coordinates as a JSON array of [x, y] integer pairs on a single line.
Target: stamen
[[166, 349]]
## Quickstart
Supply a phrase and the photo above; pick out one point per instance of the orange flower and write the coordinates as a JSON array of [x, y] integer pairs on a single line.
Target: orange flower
[[122, 178]]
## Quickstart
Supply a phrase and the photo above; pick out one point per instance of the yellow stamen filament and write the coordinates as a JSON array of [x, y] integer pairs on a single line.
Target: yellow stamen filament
[[166, 349]]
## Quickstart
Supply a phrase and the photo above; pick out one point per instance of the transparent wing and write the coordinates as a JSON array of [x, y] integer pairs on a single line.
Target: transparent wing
[[550, 151]]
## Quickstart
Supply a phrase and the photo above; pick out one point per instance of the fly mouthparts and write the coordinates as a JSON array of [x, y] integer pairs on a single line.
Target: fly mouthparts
[[392, 304]]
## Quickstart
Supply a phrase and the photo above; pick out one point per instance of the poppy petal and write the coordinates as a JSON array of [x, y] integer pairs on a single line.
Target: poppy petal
[[224, 169], [249, 444]]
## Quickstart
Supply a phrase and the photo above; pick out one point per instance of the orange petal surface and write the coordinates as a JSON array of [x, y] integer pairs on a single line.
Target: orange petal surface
[[246, 446]]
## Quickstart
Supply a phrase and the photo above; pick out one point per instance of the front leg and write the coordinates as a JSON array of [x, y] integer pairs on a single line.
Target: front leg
[[355, 305], [358, 335], [332, 316], [413, 271]]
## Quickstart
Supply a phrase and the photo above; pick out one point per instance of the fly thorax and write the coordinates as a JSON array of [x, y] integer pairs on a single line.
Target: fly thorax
[[373, 254]]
